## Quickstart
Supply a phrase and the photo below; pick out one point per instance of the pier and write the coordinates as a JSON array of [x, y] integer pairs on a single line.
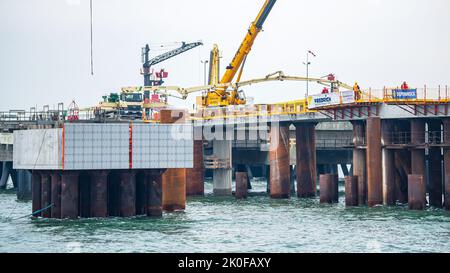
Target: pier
[[398, 153]]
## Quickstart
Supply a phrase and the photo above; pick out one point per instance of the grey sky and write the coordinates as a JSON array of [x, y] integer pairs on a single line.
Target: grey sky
[[44, 49]]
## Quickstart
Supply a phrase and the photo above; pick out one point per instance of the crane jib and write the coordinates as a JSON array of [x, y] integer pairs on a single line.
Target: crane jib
[[264, 14], [185, 47]]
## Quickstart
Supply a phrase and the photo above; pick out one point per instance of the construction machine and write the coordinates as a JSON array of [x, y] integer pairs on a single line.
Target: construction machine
[[135, 102], [121, 105], [221, 96]]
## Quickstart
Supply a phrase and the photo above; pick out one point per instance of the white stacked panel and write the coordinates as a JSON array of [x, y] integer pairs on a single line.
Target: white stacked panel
[[96, 146], [38, 149], [161, 146], [104, 146]]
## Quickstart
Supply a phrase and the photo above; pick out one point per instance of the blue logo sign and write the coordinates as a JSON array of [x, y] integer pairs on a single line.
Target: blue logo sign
[[322, 100], [404, 94]]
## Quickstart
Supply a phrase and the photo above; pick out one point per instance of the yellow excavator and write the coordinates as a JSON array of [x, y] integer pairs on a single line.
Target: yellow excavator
[[220, 96]]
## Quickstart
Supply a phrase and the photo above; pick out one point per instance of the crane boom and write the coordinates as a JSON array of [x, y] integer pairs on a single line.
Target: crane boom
[[163, 57], [147, 63], [220, 96], [247, 43]]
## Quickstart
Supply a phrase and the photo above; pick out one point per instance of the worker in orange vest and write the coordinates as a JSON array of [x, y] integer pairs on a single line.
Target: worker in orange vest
[[357, 91]]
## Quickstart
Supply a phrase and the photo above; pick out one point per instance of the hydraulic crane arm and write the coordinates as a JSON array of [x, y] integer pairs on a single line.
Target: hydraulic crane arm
[[279, 76], [147, 63], [214, 64], [247, 43], [274, 77], [219, 96], [163, 57]]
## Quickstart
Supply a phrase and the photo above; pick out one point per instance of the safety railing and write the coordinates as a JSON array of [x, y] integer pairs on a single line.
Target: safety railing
[[371, 95], [419, 95], [248, 144], [414, 95], [408, 138], [213, 162], [23, 116], [333, 143], [18, 116], [330, 143], [255, 110]]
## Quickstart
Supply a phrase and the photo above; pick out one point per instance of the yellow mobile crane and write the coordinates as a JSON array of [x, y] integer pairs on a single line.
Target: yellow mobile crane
[[220, 96]]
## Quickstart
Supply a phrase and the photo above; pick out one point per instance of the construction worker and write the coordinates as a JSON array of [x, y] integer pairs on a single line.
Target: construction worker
[[405, 86], [357, 91], [325, 90]]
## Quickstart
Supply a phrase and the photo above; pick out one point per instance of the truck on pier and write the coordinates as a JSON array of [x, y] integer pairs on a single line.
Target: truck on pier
[[122, 105]]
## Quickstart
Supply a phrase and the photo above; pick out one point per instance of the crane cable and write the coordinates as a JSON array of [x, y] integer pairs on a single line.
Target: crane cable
[[92, 54]]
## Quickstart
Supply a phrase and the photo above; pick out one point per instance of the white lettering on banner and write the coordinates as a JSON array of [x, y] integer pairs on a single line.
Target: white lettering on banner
[[321, 100]]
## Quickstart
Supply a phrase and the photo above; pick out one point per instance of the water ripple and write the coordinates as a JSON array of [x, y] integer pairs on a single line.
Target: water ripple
[[210, 224]]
